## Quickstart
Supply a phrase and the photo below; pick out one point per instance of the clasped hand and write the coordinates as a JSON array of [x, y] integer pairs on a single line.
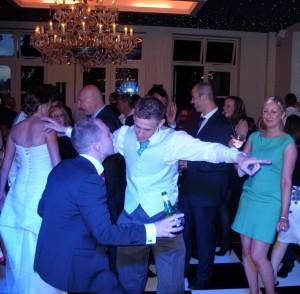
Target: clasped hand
[[168, 227], [283, 225]]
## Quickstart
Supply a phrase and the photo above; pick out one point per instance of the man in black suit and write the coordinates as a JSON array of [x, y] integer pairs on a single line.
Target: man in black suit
[[171, 108], [113, 102], [76, 219], [91, 101], [126, 104], [7, 115], [203, 185]]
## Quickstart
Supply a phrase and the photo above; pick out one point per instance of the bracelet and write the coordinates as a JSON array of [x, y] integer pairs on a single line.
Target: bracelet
[[283, 217]]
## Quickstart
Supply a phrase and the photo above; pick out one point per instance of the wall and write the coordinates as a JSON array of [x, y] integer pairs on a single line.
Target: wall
[[295, 65], [256, 73]]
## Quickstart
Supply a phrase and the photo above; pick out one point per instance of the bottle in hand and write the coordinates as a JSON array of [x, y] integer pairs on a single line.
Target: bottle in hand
[[169, 208]]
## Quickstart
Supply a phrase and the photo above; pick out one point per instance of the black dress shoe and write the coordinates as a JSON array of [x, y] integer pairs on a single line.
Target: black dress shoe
[[199, 285], [223, 251], [284, 271]]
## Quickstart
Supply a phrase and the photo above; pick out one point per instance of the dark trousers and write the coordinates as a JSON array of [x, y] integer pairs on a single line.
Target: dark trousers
[[200, 221], [225, 221], [132, 261], [289, 257]]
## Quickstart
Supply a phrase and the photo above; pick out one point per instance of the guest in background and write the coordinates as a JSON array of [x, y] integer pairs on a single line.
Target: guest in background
[[113, 103], [37, 152], [266, 195], [136, 98], [7, 115], [1, 149], [126, 104], [56, 98], [204, 186], [66, 149], [1, 141], [291, 105], [170, 107], [292, 235], [235, 111], [77, 114], [2, 257], [251, 125]]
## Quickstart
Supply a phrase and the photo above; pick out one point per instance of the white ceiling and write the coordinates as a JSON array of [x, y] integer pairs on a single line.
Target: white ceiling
[[152, 6]]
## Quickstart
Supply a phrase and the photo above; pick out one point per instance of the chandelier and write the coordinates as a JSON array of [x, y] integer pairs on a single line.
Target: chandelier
[[84, 35]]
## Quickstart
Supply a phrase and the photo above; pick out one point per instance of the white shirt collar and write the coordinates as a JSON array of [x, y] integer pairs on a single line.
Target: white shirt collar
[[96, 163], [210, 114]]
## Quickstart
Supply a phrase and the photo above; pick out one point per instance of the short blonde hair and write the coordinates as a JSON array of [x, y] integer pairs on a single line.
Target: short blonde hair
[[276, 100]]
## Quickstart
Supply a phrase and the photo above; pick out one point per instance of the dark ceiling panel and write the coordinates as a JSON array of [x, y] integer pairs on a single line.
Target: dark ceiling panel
[[235, 15]]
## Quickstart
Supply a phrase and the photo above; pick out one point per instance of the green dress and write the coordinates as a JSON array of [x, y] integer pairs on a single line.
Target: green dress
[[260, 204]]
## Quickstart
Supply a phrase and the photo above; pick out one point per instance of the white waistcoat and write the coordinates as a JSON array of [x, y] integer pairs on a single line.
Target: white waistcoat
[[148, 175]]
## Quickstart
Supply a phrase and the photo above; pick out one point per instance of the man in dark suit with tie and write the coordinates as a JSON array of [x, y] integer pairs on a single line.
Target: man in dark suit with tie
[[203, 185], [76, 219], [90, 100]]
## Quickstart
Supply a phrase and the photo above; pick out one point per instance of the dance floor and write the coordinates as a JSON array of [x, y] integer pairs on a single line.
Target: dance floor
[[228, 277]]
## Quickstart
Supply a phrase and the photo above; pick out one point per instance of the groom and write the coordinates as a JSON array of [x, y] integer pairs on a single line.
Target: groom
[[76, 219]]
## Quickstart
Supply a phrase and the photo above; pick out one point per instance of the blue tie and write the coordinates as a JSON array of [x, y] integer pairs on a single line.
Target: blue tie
[[143, 146]]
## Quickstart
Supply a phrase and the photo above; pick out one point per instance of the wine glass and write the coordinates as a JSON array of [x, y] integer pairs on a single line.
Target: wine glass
[[238, 140]]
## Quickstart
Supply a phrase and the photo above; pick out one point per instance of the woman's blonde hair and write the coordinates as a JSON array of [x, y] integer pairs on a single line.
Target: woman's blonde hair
[[276, 100]]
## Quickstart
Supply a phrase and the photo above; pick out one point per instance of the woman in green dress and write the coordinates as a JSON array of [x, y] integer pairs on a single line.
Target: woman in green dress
[[264, 203]]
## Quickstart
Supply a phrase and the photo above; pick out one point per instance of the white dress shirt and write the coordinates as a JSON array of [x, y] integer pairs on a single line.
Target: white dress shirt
[[156, 170]]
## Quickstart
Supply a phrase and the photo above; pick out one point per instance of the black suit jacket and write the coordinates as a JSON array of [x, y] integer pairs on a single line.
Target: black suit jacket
[[114, 168], [129, 121], [75, 221], [7, 116], [109, 118], [204, 183], [114, 107]]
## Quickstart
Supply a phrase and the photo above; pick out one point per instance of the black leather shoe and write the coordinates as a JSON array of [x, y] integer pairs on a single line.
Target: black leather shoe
[[223, 251], [284, 271], [199, 285]]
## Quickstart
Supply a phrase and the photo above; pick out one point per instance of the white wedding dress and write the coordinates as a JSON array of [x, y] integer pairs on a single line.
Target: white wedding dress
[[20, 223]]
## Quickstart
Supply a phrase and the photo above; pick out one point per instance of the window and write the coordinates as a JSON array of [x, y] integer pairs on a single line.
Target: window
[[136, 53], [25, 49], [185, 77], [5, 78], [220, 52], [95, 76], [31, 77], [203, 59], [6, 44], [126, 80], [185, 50], [220, 82]]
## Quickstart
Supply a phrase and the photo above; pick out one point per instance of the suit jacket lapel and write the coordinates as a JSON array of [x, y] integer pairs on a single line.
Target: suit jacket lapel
[[86, 163], [207, 127]]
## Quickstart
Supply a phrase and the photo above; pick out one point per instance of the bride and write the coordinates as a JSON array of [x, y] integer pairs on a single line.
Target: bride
[[19, 222]]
